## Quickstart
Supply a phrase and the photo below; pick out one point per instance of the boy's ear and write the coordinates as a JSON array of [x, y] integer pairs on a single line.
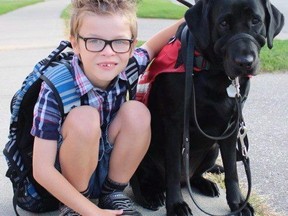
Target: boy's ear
[[133, 45], [74, 43]]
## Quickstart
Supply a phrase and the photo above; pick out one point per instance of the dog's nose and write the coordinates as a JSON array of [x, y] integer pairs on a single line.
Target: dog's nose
[[244, 61]]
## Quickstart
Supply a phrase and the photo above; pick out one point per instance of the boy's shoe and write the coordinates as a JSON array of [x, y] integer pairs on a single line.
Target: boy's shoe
[[117, 201], [66, 211]]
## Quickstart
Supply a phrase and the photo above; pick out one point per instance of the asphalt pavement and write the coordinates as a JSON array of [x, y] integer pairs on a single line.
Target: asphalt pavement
[[29, 34]]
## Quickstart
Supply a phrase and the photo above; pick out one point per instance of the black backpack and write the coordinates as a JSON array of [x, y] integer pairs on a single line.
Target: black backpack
[[55, 70]]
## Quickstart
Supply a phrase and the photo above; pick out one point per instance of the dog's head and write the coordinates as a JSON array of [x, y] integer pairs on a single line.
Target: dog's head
[[232, 32]]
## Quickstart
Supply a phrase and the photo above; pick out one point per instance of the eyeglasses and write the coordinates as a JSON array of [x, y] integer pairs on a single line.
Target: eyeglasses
[[97, 44]]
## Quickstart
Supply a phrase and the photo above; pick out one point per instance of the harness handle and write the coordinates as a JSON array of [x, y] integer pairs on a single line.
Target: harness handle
[[188, 4]]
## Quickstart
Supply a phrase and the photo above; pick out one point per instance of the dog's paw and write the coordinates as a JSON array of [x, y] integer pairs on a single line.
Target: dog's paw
[[179, 209], [216, 169], [248, 210], [148, 195], [205, 186], [154, 202]]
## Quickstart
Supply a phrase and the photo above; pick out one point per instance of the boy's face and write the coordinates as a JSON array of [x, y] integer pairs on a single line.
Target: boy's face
[[102, 67]]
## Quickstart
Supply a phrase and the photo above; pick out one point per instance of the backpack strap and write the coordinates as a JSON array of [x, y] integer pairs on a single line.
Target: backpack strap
[[61, 81], [132, 73], [45, 63], [59, 78]]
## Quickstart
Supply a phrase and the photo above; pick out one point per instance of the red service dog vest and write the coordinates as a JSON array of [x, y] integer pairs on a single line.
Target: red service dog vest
[[165, 62]]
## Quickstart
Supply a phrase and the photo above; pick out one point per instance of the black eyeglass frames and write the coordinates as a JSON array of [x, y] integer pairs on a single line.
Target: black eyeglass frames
[[98, 44]]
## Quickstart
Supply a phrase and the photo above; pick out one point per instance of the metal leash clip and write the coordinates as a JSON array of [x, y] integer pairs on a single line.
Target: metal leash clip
[[233, 90], [236, 84], [241, 136]]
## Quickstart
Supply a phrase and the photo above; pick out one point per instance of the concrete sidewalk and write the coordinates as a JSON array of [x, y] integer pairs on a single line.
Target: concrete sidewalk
[[28, 35]]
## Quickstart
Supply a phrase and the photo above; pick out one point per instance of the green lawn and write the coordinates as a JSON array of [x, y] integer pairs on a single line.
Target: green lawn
[[164, 9], [275, 59], [10, 5]]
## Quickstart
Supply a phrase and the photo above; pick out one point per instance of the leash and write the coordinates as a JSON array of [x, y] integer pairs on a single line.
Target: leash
[[242, 140]]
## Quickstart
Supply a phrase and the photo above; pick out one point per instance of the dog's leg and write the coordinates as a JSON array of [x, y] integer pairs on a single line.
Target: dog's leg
[[206, 160], [175, 204], [148, 184], [233, 193], [167, 105]]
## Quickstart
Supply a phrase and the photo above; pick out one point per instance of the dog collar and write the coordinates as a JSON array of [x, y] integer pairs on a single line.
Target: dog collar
[[200, 63]]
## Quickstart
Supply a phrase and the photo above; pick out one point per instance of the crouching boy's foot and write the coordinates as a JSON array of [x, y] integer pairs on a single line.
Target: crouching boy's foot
[[117, 201], [66, 211]]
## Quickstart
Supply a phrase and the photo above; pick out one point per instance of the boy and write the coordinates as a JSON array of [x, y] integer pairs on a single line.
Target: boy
[[94, 153]]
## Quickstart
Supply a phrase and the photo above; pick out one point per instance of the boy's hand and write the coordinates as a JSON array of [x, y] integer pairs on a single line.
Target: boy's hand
[[112, 212]]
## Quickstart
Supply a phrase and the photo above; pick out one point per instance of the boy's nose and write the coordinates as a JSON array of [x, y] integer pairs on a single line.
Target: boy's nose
[[108, 49]]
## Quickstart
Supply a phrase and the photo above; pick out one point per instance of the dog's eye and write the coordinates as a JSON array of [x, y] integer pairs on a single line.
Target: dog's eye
[[224, 24], [255, 21]]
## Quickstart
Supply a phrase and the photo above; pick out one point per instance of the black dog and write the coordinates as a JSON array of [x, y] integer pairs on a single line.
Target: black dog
[[229, 35]]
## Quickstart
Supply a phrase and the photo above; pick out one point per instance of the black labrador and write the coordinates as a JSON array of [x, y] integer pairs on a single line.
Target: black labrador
[[229, 35]]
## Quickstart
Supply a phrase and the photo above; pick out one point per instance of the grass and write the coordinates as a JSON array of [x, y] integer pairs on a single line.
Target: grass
[[65, 15], [10, 5], [275, 59], [163, 9]]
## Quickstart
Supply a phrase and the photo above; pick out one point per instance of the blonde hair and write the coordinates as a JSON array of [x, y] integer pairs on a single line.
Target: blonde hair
[[125, 8]]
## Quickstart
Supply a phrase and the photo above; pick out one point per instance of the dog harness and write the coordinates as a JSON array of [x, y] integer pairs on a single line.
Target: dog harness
[[169, 60]]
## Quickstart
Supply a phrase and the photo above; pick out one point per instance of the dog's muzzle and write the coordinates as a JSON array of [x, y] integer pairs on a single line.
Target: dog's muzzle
[[221, 45]]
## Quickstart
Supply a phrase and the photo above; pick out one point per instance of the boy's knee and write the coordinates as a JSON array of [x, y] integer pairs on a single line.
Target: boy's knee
[[82, 121], [137, 112]]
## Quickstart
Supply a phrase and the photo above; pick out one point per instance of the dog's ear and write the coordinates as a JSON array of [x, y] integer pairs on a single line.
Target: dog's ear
[[197, 16], [274, 22]]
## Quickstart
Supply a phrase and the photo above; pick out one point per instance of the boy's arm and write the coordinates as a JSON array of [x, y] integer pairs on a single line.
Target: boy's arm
[[50, 178], [44, 172], [160, 39]]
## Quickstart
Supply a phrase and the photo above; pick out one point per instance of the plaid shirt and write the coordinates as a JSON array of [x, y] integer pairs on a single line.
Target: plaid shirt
[[47, 117]]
